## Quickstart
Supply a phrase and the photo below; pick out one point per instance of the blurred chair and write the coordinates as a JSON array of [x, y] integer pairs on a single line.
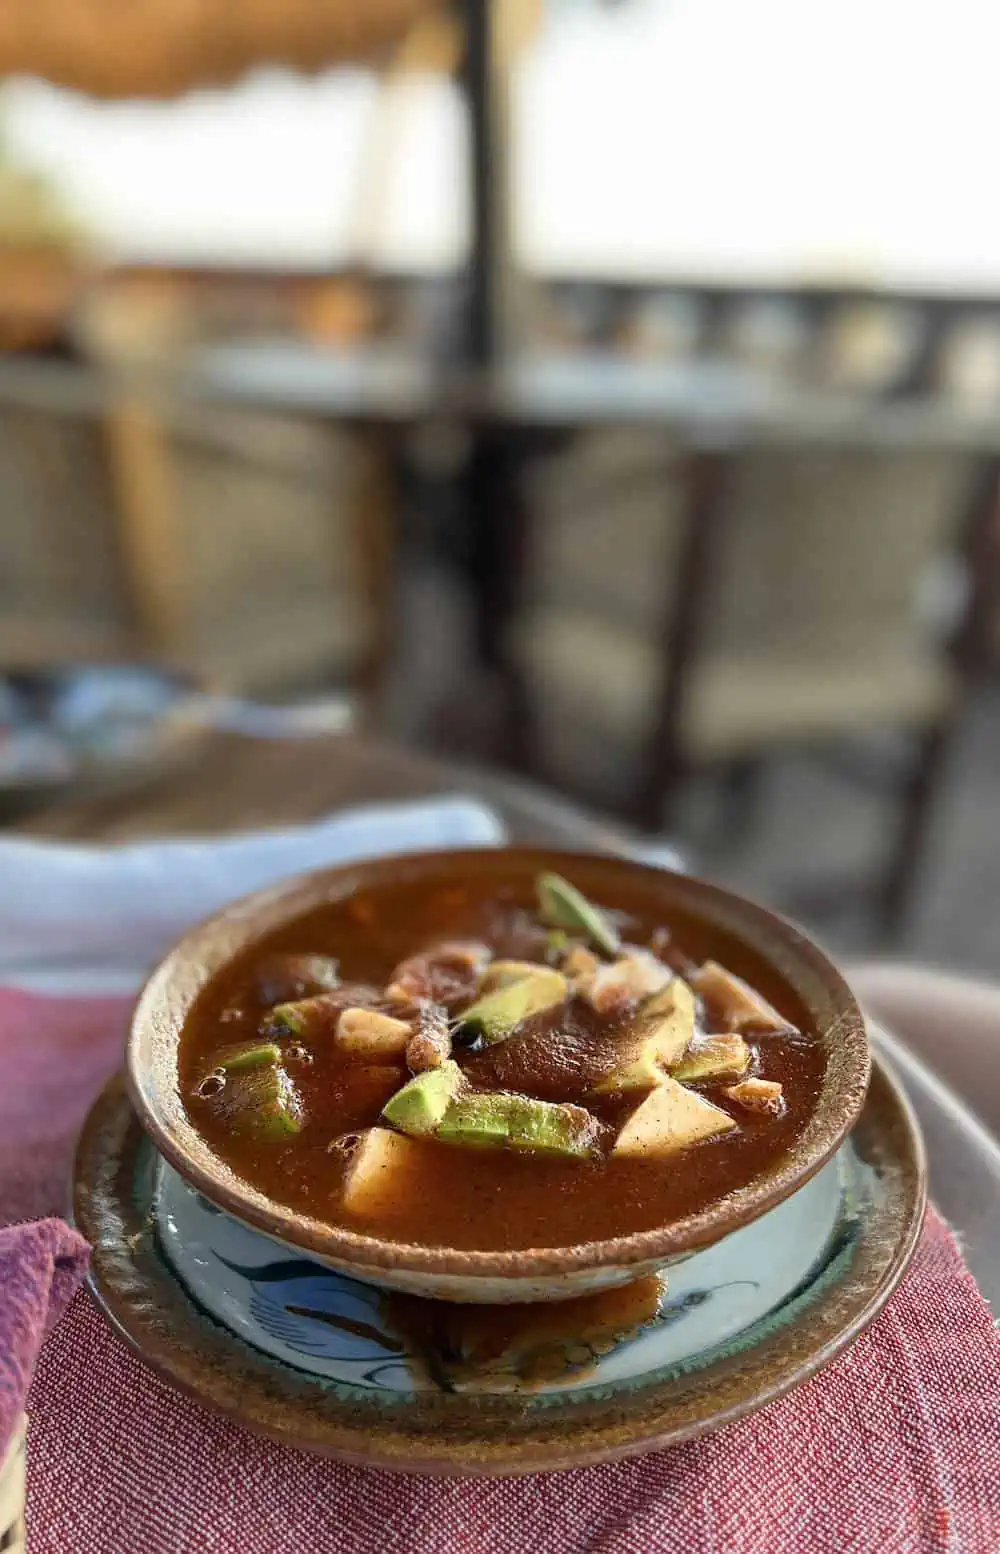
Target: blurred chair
[[775, 600], [257, 547], [253, 551], [60, 580], [260, 548], [608, 524]]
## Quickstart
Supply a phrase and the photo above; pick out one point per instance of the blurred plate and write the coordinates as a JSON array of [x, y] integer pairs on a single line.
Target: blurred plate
[[63, 729], [65, 732]]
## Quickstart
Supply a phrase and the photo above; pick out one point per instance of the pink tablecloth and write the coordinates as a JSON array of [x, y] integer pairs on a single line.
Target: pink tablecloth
[[894, 1450]]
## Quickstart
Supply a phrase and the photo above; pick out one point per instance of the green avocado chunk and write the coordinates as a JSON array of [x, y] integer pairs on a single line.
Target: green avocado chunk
[[561, 905], [254, 1056], [503, 1120], [551, 1128], [284, 977], [663, 1028], [497, 1015], [307, 1017], [714, 1058], [477, 1121], [264, 1103], [502, 973], [420, 1105]]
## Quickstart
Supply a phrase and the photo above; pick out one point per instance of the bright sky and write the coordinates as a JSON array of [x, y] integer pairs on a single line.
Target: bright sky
[[733, 137]]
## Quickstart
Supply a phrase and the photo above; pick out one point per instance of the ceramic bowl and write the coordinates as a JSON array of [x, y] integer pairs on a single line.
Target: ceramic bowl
[[770, 953]]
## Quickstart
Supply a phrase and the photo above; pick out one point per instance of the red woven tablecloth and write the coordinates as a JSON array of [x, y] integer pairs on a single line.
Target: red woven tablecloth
[[894, 1449]]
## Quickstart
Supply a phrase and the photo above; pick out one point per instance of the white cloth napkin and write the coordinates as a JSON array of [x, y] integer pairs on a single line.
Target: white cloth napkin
[[75, 918]]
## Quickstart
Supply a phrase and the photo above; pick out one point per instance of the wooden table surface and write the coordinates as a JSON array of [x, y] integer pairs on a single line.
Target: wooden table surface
[[236, 783]]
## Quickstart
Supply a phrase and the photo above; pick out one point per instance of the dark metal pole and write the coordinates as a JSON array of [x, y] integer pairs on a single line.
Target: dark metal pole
[[481, 339], [494, 510]]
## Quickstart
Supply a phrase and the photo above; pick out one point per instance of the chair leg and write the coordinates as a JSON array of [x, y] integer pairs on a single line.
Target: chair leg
[[660, 793], [375, 520], [498, 527], [664, 763], [895, 890], [142, 479], [741, 784]]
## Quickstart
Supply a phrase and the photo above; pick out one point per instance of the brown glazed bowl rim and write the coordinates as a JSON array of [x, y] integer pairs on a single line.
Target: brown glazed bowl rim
[[786, 957]]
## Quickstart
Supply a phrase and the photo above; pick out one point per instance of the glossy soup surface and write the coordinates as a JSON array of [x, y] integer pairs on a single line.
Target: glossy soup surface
[[477, 1198]]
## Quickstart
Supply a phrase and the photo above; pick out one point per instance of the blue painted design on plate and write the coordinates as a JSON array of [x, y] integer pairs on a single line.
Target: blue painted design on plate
[[321, 1314], [721, 1301]]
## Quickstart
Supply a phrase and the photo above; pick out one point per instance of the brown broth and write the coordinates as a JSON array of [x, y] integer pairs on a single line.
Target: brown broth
[[475, 1199]]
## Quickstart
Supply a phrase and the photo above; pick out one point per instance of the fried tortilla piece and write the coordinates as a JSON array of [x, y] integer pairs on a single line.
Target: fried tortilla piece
[[739, 1006], [758, 1095], [430, 1045], [614, 989], [447, 974], [579, 966]]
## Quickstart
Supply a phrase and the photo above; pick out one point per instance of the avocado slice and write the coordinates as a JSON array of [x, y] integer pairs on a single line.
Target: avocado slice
[[661, 1033], [264, 1103], [477, 1121], [670, 1118], [551, 1128], [306, 1017], [254, 1055], [496, 1016], [714, 1058], [503, 1120], [285, 977], [557, 943], [420, 1105], [502, 973], [561, 905]]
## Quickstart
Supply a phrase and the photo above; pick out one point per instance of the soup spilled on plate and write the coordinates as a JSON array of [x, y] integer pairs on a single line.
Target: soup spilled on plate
[[458, 1067]]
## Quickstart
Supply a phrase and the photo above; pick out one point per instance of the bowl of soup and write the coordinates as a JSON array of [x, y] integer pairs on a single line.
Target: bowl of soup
[[498, 1075]]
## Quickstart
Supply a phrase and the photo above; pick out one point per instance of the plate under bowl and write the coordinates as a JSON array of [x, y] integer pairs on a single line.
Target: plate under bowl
[[658, 1389]]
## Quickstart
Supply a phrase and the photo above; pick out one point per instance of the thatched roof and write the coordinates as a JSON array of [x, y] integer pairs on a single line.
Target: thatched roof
[[160, 48]]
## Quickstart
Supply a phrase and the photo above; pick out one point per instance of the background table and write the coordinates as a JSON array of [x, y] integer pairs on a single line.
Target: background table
[[236, 783]]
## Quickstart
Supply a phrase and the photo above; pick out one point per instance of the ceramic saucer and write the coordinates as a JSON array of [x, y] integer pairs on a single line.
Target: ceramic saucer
[[323, 1362]]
